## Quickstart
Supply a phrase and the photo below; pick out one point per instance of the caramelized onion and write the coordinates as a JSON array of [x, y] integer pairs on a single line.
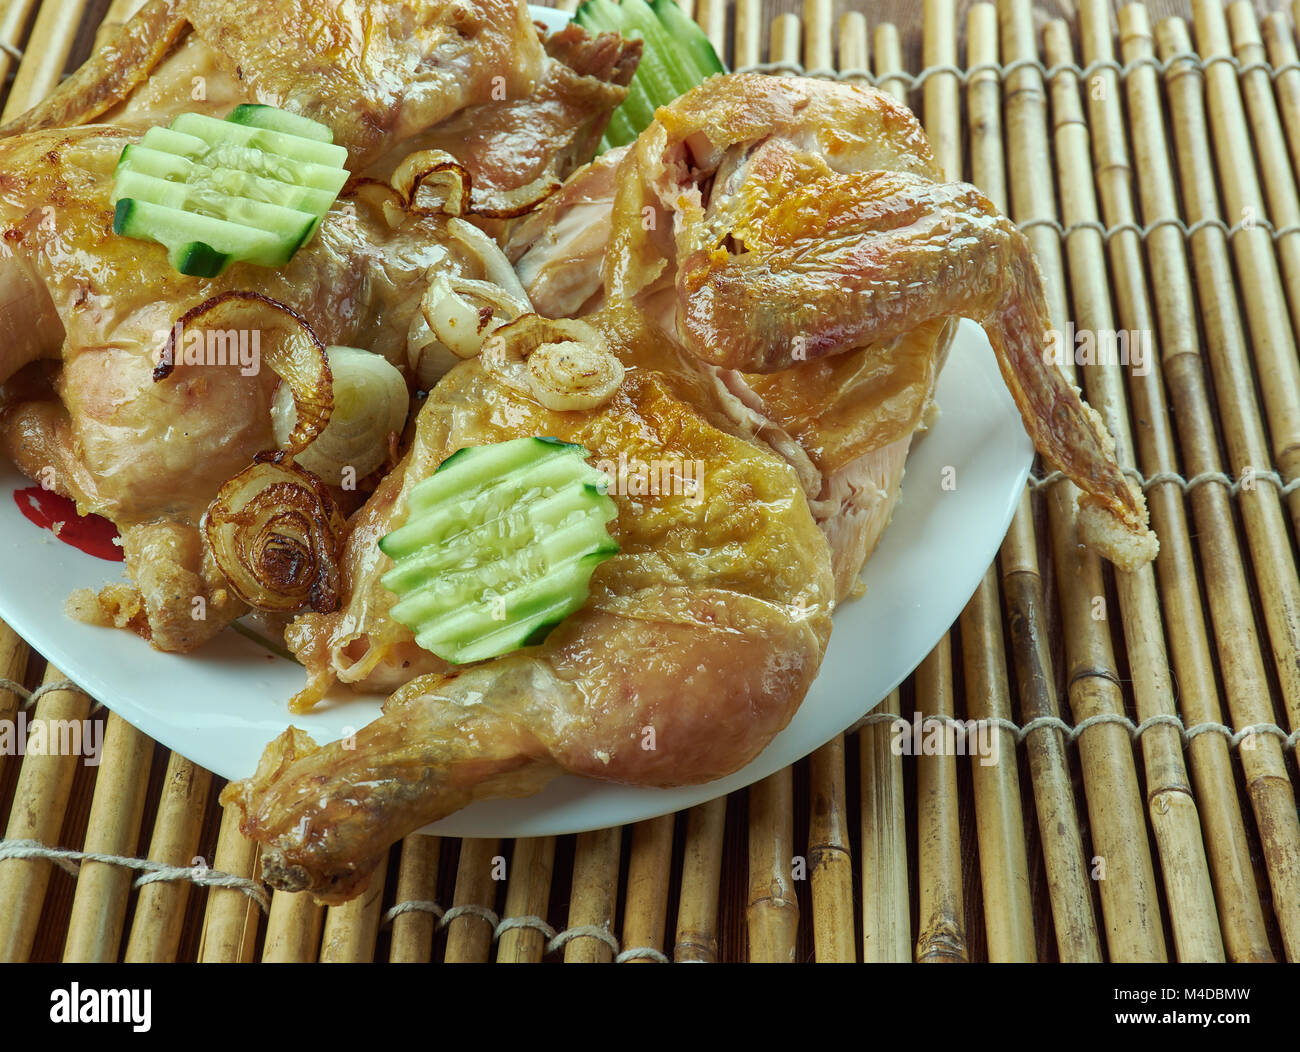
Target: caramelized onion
[[430, 182], [563, 364], [293, 351], [275, 534]]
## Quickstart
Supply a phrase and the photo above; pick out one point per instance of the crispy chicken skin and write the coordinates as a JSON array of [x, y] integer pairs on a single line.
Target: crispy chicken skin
[[81, 308], [374, 71], [705, 632], [778, 222], [151, 454]]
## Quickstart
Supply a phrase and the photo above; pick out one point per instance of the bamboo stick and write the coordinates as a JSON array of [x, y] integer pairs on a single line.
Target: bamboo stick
[[1004, 863], [45, 55], [1171, 808], [527, 895], [14, 653], [293, 929], [99, 906], [469, 937], [1077, 938], [697, 905], [1256, 89], [40, 799], [943, 924], [940, 906], [593, 894], [818, 16], [645, 912], [749, 33], [417, 881], [941, 104], [830, 864], [13, 22], [1272, 338], [1004, 866], [712, 17], [160, 906], [886, 911], [772, 910], [784, 45], [352, 929], [1271, 795], [889, 59], [568, 5], [1282, 52], [854, 51], [231, 919], [1129, 900], [119, 12], [1177, 368]]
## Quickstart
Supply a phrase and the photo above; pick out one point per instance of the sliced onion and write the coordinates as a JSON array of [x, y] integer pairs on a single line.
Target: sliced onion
[[370, 403], [488, 254], [430, 182], [293, 352], [564, 365], [510, 204], [275, 534]]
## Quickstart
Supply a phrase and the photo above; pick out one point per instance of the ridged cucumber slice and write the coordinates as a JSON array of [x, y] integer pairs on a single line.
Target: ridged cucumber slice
[[197, 243], [218, 132], [214, 192], [498, 547], [275, 119]]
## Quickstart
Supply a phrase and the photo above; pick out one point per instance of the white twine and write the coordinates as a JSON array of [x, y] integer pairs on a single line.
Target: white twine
[[1188, 229], [1234, 486], [70, 861], [1136, 730], [1186, 61], [31, 697], [554, 939], [13, 52]]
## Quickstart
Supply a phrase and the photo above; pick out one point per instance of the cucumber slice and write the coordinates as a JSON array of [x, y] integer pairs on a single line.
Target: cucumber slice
[[197, 243], [233, 181], [689, 39], [205, 200], [252, 189], [274, 119], [498, 547], [216, 132], [676, 56]]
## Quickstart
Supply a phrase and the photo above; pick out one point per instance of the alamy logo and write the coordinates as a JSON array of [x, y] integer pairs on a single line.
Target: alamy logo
[[76, 1005], [1128, 347], [225, 347]]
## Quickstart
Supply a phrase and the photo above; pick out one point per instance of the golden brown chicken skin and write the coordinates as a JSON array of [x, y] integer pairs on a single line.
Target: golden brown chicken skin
[[706, 629]]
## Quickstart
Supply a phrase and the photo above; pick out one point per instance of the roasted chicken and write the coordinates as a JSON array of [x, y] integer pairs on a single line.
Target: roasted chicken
[[767, 280], [696, 194]]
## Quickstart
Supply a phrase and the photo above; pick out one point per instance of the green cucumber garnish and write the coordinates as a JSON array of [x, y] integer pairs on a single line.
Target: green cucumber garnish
[[498, 547]]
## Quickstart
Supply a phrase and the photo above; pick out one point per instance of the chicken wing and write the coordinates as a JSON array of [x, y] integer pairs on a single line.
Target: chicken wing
[[778, 222]]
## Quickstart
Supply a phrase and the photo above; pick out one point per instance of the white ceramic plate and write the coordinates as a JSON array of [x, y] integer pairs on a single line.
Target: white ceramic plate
[[221, 706]]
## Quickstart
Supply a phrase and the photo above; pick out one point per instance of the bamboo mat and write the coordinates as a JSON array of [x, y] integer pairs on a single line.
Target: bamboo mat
[[1144, 805]]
